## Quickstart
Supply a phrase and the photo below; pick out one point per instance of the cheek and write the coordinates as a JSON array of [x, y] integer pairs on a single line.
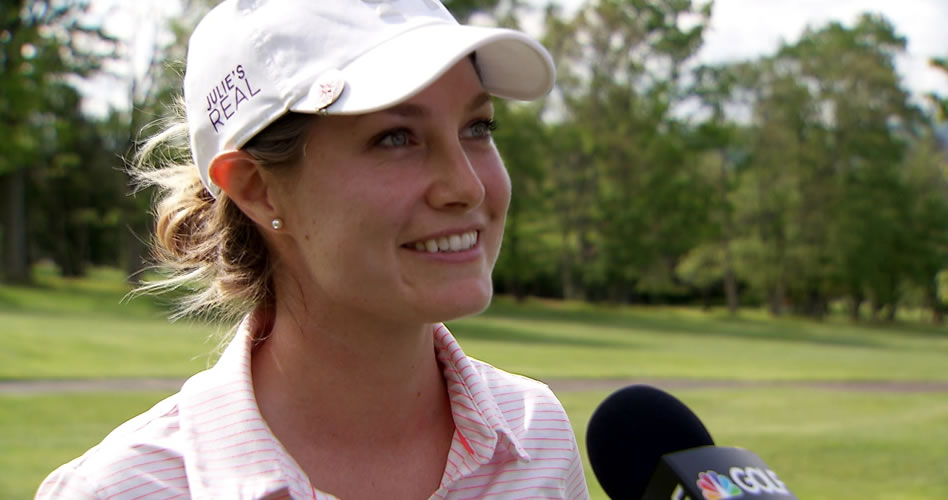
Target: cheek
[[496, 187], [497, 198], [357, 221], [506, 188]]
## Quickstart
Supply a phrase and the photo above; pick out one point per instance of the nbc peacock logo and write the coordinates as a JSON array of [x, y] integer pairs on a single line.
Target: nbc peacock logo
[[716, 486]]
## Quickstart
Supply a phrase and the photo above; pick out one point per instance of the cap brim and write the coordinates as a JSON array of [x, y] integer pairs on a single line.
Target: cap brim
[[511, 65]]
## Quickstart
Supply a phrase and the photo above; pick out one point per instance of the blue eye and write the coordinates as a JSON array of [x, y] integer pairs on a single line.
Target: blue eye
[[480, 129], [394, 139]]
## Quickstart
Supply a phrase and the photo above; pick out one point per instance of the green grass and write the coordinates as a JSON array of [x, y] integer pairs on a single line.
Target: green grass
[[825, 444], [62, 328], [548, 340], [81, 328], [40, 432]]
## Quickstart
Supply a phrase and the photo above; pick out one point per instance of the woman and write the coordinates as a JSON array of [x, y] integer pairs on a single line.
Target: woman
[[346, 198]]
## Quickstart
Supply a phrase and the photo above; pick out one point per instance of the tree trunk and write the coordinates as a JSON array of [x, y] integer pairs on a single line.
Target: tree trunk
[[133, 252], [730, 281], [890, 314], [931, 296], [817, 305], [855, 302], [566, 269], [585, 259], [730, 284], [513, 251], [777, 296], [706, 299], [893, 297], [72, 252], [136, 226], [876, 309], [16, 260]]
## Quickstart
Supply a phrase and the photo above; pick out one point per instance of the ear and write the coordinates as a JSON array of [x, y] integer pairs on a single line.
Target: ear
[[246, 184]]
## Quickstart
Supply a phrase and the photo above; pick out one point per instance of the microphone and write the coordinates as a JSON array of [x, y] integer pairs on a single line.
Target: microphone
[[644, 444]]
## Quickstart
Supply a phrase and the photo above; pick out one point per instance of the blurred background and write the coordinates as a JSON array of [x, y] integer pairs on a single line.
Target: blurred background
[[744, 202], [797, 162]]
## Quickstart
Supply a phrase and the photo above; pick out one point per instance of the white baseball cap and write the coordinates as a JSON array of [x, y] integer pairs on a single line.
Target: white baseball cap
[[251, 61]]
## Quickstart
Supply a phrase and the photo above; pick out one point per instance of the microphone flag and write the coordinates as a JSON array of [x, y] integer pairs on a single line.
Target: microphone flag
[[715, 473]]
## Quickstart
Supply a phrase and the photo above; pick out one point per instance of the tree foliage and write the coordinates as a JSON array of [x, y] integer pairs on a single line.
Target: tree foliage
[[42, 44], [795, 181], [804, 177]]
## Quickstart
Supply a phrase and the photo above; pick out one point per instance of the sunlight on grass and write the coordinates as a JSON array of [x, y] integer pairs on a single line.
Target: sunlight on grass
[[825, 444], [41, 432], [86, 328], [41, 346], [550, 340], [81, 328]]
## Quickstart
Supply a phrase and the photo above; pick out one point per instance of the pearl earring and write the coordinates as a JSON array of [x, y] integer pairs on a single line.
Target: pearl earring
[[277, 223]]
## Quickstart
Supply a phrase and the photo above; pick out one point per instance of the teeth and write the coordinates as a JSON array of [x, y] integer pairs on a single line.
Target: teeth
[[452, 243]]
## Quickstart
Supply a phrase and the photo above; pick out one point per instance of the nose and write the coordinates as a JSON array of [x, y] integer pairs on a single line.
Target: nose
[[456, 184]]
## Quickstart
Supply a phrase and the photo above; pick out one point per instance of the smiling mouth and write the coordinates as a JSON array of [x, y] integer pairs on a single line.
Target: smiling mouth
[[450, 243]]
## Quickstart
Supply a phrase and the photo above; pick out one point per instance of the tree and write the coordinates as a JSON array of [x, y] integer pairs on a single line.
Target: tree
[[823, 192], [521, 138], [718, 141], [151, 86], [768, 192], [925, 168], [926, 230], [41, 42], [940, 102], [73, 187], [870, 123], [623, 189]]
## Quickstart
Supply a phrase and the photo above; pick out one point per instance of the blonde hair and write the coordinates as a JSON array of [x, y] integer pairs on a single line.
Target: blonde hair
[[203, 246]]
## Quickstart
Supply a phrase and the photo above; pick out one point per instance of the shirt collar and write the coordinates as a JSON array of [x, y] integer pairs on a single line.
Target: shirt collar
[[480, 424]]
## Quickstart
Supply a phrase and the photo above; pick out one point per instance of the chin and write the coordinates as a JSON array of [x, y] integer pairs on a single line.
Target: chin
[[460, 303]]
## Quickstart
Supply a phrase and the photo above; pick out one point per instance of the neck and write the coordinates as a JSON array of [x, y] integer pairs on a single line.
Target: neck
[[348, 380]]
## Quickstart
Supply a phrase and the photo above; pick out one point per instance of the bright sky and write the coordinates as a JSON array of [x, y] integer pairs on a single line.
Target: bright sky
[[740, 29]]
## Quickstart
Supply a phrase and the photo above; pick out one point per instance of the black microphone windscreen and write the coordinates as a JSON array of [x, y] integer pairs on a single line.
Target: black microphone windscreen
[[630, 431]]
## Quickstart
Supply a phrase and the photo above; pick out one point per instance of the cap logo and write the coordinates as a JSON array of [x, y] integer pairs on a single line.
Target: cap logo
[[225, 99], [328, 88]]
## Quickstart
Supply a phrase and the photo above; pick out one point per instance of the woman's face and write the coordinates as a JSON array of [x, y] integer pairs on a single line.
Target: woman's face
[[399, 214]]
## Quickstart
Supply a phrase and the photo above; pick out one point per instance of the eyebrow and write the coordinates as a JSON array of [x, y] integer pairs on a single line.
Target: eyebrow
[[410, 110]]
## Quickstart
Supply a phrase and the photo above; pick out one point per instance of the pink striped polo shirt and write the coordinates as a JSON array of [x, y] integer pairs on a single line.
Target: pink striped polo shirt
[[512, 440]]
